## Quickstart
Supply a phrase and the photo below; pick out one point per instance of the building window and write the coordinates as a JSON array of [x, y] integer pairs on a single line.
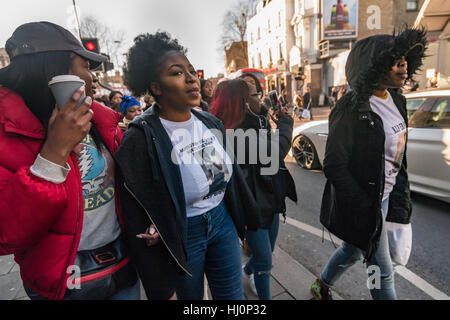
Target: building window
[[259, 34], [281, 52], [253, 62], [251, 38], [268, 25], [412, 5], [279, 18]]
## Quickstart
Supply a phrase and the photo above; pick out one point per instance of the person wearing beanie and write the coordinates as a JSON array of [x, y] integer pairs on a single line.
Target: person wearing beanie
[[130, 109]]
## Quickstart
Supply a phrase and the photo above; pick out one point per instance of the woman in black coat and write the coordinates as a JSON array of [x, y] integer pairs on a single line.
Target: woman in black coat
[[237, 104], [365, 159]]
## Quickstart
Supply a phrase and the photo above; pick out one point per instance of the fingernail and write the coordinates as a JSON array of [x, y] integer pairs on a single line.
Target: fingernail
[[139, 236], [152, 230], [77, 94], [88, 100]]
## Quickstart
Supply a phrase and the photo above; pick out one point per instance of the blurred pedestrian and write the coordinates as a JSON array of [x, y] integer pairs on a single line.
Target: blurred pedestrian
[[183, 196], [58, 211], [115, 98], [149, 100], [284, 98], [307, 104], [298, 104], [365, 159], [130, 109], [252, 79], [236, 103], [333, 96], [207, 91]]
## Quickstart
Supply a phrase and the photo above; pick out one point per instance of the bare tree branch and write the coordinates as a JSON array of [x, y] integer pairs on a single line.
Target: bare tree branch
[[234, 23]]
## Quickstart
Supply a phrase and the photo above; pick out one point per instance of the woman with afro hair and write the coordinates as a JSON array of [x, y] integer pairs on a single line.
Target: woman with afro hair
[[185, 203]]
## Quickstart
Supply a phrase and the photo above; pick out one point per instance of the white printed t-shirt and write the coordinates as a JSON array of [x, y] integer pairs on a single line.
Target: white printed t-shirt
[[395, 131], [204, 165]]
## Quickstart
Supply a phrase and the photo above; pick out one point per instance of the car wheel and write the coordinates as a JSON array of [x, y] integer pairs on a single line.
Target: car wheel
[[305, 153]]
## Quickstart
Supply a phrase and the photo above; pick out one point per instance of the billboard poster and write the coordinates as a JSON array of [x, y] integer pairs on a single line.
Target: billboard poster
[[339, 19]]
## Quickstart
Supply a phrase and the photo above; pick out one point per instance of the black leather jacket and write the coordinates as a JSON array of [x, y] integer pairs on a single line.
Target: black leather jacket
[[270, 191]]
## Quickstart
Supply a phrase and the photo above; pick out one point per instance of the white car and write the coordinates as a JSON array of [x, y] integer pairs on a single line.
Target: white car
[[428, 149]]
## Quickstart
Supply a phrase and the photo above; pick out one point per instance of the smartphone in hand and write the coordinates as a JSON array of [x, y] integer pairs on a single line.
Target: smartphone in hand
[[273, 96]]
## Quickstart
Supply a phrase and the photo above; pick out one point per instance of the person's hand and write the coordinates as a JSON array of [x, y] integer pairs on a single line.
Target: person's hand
[[67, 127], [283, 112], [151, 236]]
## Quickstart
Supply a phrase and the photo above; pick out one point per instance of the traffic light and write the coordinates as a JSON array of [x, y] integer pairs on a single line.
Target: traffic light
[[91, 44], [201, 74]]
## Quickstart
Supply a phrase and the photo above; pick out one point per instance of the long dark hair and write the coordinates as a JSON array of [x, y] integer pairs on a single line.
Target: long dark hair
[[28, 76]]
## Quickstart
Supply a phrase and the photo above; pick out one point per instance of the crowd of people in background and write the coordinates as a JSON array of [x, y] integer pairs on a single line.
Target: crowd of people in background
[[142, 186]]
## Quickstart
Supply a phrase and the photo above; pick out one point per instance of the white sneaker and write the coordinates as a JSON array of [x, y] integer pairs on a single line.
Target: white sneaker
[[251, 279]]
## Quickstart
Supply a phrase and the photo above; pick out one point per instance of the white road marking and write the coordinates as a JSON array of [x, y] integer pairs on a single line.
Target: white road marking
[[420, 283], [401, 270]]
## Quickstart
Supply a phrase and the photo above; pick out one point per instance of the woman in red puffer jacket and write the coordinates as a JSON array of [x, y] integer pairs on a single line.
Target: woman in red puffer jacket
[[59, 212]]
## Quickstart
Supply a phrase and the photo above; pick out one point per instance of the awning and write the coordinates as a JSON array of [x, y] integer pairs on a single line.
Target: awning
[[434, 15]]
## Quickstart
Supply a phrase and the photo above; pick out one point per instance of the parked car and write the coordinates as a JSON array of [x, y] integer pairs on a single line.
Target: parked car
[[428, 149]]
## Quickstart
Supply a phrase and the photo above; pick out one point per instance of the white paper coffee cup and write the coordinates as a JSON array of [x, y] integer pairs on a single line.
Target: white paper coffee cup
[[64, 86]]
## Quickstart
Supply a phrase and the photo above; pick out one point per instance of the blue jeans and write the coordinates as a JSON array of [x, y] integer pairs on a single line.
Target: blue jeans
[[347, 255], [212, 249], [131, 293], [262, 244]]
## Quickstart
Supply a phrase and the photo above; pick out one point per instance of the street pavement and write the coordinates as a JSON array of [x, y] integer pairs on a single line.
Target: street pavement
[[425, 277]]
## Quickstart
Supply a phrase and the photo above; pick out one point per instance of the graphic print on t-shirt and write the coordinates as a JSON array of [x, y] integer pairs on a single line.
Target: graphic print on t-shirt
[[97, 174], [212, 164], [400, 151], [395, 130]]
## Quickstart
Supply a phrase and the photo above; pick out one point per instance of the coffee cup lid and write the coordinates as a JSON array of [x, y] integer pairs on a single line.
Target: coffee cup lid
[[64, 78]]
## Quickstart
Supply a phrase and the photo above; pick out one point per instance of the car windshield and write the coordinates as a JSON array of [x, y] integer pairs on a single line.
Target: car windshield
[[413, 105], [438, 116]]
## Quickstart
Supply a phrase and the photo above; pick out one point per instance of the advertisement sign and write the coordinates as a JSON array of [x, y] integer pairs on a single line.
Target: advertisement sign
[[339, 19]]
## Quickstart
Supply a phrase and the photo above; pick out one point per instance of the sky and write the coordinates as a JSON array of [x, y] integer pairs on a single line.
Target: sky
[[195, 23]]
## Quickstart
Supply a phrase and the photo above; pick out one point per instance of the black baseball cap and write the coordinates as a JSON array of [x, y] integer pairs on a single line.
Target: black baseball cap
[[45, 36]]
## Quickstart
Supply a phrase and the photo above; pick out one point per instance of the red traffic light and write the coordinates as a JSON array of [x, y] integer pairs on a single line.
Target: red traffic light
[[200, 74], [90, 46]]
